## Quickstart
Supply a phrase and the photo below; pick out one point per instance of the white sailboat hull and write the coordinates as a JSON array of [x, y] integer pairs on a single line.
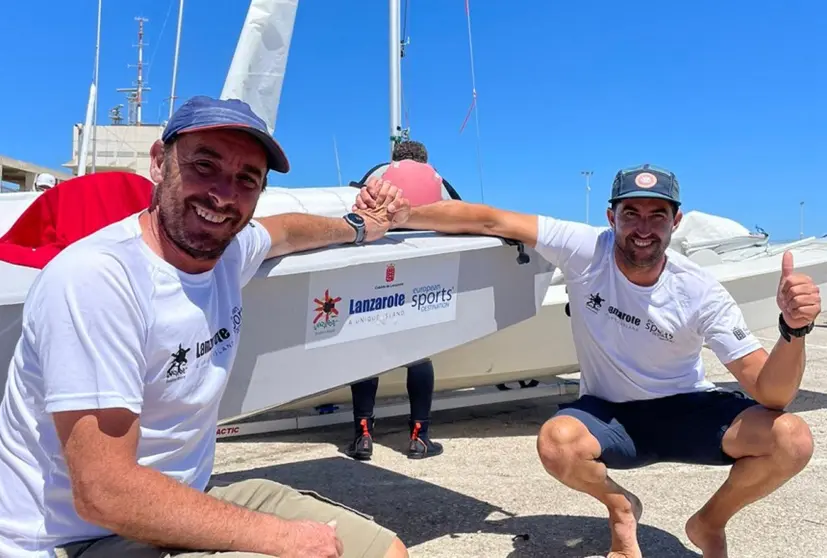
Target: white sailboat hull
[[538, 348], [510, 320], [447, 291], [542, 347]]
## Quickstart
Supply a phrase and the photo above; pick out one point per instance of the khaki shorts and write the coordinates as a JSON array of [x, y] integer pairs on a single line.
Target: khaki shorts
[[360, 536]]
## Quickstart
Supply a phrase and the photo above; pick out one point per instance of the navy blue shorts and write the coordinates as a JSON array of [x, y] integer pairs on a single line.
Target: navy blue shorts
[[685, 428]]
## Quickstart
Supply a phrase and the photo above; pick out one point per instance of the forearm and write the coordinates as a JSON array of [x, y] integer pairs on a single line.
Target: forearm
[[296, 232], [781, 375], [453, 217], [145, 505]]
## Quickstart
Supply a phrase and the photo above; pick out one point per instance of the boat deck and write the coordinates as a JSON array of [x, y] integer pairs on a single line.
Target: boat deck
[[488, 496]]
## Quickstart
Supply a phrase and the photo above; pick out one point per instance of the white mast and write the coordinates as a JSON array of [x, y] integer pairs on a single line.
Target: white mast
[[395, 72], [175, 59], [84, 144], [95, 110]]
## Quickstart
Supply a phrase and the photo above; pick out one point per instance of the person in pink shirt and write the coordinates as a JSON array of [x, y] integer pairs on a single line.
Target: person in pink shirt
[[410, 172], [423, 183]]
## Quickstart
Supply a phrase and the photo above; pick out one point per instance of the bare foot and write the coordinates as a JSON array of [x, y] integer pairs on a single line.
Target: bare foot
[[711, 540], [624, 529]]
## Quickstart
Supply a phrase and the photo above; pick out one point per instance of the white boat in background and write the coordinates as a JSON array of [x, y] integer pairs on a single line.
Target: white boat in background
[[542, 348], [403, 298]]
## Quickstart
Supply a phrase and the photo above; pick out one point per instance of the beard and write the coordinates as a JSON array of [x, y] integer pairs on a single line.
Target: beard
[[643, 257], [189, 232]]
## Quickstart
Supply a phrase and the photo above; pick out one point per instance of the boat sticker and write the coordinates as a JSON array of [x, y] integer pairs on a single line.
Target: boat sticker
[[368, 300]]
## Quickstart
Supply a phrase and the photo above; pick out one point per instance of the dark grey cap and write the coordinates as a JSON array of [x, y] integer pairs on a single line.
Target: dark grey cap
[[645, 181]]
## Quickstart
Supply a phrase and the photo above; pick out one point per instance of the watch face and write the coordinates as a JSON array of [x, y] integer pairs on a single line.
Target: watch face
[[356, 218]]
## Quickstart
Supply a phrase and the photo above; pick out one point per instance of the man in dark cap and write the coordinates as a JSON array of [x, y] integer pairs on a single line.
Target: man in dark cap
[[107, 428], [640, 315]]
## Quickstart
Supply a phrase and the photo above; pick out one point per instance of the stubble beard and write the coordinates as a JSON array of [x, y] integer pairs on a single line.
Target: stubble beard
[[172, 214]]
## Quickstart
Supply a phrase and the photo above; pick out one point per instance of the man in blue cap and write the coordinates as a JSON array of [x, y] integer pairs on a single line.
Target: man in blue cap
[[640, 316], [107, 427]]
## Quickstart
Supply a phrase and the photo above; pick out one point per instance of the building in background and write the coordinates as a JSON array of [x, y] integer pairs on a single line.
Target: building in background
[[118, 147], [20, 176]]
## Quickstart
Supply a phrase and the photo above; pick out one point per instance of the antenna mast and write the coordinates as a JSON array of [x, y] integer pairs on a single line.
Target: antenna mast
[[175, 58], [135, 95]]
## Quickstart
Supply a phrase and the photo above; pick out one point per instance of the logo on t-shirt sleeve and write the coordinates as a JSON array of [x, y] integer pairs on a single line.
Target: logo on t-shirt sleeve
[[740, 333]]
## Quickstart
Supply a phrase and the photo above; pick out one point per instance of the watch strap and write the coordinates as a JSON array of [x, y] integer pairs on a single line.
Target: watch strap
[[788, 332], [358, 226]]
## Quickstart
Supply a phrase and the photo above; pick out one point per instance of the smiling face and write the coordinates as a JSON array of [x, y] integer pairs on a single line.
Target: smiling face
[[643, 229], [208, 185]]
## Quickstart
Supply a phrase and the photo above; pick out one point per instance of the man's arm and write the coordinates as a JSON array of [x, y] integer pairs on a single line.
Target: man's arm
[[772, 379], [568, 245], [88, 327], [296, 232], [111, 490], [459, 217], [453, 217]]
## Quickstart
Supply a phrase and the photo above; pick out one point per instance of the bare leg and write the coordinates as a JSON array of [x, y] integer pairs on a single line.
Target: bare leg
[[770, 448], [568, 452], [397, 550]]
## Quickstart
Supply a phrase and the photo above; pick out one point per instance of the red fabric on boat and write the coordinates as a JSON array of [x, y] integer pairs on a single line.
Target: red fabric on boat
[[70, 211]]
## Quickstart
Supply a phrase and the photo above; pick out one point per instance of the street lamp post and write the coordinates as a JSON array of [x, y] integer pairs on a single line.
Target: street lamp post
[[588, 175]]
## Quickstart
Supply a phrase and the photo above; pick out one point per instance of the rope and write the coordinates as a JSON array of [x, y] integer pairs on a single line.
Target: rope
[[474, 106]]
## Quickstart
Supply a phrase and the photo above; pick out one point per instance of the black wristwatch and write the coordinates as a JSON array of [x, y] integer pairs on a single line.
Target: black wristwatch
[[358, 223], [788, 333]]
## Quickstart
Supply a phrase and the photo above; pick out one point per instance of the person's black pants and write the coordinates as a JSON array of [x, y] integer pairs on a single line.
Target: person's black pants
[[420, 392]]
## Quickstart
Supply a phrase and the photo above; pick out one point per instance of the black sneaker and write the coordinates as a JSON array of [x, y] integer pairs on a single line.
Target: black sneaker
[[421, 445], [362, 446]]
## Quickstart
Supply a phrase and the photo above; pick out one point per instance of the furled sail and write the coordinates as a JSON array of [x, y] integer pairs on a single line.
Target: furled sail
[[257, 70]]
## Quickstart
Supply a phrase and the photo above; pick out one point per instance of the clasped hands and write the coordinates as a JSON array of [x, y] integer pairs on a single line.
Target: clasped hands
[[382, 206]]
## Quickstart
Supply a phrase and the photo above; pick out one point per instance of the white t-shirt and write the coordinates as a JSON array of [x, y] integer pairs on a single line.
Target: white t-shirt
[[638, 342], [108, 323]]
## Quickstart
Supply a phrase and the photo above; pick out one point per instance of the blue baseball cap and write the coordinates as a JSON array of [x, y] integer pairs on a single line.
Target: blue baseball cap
[[205, 113], [645, 181]]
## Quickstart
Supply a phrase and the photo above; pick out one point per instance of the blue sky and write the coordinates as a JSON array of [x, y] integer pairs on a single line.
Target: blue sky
[[732, 95]]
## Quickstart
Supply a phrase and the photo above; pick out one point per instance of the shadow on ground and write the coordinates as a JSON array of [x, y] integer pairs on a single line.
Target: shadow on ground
[[523, 418], [516, 418], [437, 512]]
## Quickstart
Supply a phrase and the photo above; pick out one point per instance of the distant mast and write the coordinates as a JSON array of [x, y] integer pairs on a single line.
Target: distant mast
[[135, 95], [395, 73]]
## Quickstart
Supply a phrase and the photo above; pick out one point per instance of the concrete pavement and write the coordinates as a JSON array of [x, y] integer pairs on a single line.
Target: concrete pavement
[[488, 496]]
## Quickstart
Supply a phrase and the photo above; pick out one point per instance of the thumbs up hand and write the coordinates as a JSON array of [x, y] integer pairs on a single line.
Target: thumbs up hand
[[799, 298]]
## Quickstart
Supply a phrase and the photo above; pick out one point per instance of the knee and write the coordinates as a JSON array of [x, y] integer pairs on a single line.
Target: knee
[[561, 443], [397, 550], [792, 442]]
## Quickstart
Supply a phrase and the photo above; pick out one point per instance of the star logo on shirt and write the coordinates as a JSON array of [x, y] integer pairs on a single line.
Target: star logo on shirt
[[594, 302], [178, 366]]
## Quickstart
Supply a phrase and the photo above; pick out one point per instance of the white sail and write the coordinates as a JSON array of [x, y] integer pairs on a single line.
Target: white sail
[[257, 71]]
